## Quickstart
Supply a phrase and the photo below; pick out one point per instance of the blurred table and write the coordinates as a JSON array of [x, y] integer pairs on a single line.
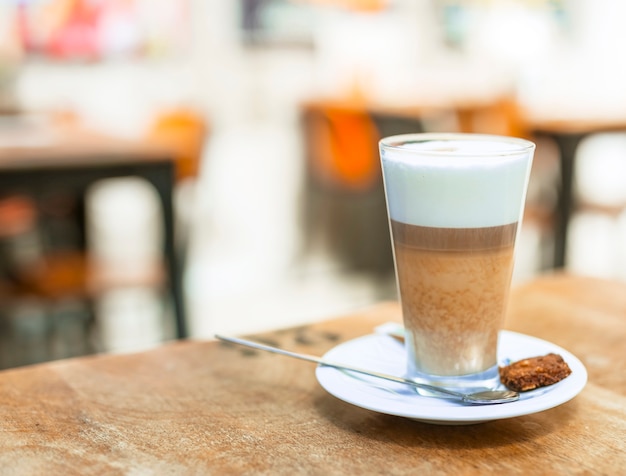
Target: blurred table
[[209, 408], [567, 134], [36, 157], [493, 115]]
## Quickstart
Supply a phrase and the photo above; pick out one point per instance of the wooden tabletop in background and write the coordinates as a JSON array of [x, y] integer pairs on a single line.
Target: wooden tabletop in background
[[212, 408]]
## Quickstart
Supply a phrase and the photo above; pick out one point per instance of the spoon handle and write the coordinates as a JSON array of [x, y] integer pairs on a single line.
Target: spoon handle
[[328, 363]]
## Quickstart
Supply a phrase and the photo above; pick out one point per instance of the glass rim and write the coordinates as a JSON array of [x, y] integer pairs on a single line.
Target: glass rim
[[399, 142]]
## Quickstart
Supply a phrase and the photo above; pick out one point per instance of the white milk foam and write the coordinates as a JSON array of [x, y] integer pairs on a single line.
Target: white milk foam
[[465, 184]]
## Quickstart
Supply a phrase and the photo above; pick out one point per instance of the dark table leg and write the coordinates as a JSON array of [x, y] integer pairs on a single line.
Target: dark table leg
[[567, 145], [162, 178]]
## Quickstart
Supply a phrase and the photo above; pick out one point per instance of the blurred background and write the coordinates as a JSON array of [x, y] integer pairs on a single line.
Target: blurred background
[[270, 111]]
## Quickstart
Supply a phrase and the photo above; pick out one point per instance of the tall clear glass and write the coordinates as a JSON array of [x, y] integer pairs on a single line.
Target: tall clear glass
[[455, 204]]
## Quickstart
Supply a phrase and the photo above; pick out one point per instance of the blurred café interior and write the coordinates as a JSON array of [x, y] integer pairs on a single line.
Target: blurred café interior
[[176, 168]]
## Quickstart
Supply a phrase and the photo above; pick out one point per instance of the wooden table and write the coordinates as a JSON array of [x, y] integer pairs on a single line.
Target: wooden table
[[212, 408], [72, 159]]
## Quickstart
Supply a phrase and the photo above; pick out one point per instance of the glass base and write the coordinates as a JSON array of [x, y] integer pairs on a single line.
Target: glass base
[[486, 380]]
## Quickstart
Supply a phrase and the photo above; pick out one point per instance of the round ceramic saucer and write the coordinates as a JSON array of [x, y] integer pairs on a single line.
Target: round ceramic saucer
[[386, 354]]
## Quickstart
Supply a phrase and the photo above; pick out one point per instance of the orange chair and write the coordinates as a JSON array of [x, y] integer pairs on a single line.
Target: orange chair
[[344, 200], [184, 132], [344, 149]]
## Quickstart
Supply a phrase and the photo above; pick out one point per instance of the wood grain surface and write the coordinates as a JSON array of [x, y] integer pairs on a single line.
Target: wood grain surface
[[214, 408]]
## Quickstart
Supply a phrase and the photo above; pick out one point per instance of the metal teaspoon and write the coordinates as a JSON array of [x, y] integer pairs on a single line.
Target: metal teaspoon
[[485, 397]]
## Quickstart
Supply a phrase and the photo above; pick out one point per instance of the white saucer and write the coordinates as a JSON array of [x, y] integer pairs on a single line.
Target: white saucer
[[386, 354]]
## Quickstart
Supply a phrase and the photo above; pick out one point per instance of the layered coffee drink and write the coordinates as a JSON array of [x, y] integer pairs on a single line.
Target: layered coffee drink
[[454, 204], [454, 286]]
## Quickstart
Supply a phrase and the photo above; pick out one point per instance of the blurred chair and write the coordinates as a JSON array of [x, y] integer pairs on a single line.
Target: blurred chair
[[343, 146], [184, 132], [345, 203]]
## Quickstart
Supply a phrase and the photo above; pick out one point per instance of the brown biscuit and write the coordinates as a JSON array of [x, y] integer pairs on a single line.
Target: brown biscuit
[[534, 372]]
